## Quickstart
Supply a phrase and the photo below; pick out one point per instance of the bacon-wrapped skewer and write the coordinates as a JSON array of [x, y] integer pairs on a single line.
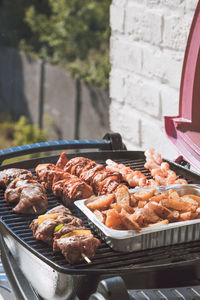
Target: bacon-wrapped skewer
[[66, 233], [102, 180], [63, 184]]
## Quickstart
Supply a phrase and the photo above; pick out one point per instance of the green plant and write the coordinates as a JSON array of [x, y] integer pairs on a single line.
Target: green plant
[[25, 133], [72, 33], [7, 130], [20, 133]]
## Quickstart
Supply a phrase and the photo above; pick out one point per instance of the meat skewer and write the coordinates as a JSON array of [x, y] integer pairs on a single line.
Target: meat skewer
[[34, 208], [22, 188], [96, 175], [74, 248], [29, 194], [86, 258], [63, 184], [43, 227], [7, 175], [66, 233]]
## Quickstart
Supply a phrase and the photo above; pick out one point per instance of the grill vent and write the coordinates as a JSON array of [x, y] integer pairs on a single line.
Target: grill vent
[[188, 293]]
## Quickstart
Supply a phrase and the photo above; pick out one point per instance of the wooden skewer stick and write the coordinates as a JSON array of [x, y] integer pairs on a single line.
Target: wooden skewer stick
[[86, 258], [34, 208]]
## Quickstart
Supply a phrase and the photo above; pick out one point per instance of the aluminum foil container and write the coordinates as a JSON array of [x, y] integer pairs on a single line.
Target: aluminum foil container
[[151, 237]]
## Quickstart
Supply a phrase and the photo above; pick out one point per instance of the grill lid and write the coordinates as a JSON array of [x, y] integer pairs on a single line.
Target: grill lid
[[184, 130]]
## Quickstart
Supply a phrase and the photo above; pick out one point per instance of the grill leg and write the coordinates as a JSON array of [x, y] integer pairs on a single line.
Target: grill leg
[[20, 286]]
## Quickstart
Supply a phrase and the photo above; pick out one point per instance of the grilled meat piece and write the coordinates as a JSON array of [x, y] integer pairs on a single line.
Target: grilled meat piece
[[72, 189], [102, 180], [60, 175], [62, 161], [88, 174], [74, 246], [76, 189], [59, 209], [77, 161], [66, 232], [46, 173], [58, 188], [44, 230], [13, 191], [81, 169], [7, 175], [68, 187], [109, 185], [29, 194]]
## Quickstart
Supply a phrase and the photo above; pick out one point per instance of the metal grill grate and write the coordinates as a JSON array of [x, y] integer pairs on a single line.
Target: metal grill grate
[[105, 257]]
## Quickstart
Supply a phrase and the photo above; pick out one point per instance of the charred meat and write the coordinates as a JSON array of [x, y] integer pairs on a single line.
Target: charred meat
[[43, 227], [103, 181], [66, 233], [29, 194], [21, 187], [63, 184], [46, 173], [73, 247], [7, 175]]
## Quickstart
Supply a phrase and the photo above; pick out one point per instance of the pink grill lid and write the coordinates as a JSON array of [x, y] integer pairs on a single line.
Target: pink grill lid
[[184, 129]]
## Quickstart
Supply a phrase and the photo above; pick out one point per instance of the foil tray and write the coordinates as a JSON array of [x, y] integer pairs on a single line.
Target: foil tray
[[151, 237]]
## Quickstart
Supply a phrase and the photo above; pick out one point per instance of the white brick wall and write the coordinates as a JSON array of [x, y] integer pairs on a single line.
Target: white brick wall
[[148, 40]]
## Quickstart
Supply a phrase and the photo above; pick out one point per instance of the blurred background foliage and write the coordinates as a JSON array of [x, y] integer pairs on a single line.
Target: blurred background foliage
[[71, 33], [20, 133]]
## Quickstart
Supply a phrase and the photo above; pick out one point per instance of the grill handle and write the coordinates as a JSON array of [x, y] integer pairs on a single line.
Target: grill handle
[[111, 289], [20, 285], [111, 141]]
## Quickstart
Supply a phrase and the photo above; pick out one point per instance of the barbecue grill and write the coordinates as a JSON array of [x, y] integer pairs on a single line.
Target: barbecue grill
[[167, 272], [51, 276]]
